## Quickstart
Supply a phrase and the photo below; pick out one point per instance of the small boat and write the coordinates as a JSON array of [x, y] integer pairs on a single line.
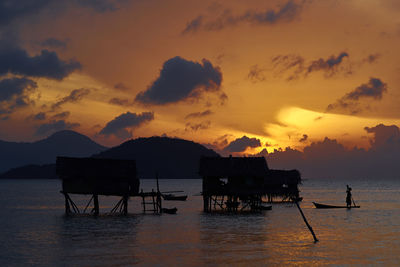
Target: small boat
[[169, 211], [261, 207], [173, 197], [265, 207], [325, 206]]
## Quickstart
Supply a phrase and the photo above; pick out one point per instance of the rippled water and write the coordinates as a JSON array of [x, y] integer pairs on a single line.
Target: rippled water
[[35, 232]]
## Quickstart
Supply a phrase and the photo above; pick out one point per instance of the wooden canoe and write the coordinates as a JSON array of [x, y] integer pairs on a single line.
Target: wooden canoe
[[173, 197], [325, 206], [169, 211]]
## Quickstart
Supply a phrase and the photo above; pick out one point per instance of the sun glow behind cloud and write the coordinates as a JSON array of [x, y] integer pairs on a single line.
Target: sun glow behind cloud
[[294, 122]]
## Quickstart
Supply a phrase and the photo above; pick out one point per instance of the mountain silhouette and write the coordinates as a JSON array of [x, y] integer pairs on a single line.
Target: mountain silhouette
[[169, 157], [46, 171], [63, 143]]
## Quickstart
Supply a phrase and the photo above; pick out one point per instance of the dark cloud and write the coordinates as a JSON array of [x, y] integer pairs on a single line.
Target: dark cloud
[[219, 144], [329, 65], [285, 13], [15, 93], [119, 125], [194, 25], [304, 138], [197, 126], [330, 159], [121, 87], [223, 98], [374, 89], [295, 66], [385, 138], [181, 79], [55, 126], [199, 114], [61, 116], [11, 11], [288, 63], [36, 117], [241, 144], [47, 64], [40, 116], [371, 58], [120, 102], [75, 96], [256, 74], [54, 43], [100, 5]]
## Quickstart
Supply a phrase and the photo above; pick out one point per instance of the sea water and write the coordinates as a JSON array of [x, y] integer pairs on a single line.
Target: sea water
[[35, 232]]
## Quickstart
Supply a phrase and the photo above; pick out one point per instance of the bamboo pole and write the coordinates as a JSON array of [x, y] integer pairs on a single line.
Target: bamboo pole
[[305, 220]]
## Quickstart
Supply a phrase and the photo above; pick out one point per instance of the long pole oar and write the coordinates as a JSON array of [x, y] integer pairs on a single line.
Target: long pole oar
[[354, 203], [305, 220]]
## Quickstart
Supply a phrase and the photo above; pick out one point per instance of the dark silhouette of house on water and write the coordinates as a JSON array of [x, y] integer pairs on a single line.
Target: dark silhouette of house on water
[[91, 176], [238, 183]]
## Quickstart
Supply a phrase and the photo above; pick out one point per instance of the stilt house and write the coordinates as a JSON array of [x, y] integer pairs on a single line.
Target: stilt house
[[238, 183], [93, 176]]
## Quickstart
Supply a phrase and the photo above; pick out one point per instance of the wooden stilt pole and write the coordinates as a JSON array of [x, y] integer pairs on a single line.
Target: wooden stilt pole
[[159, 205], [90, 201], [67, 207], [205, 203], [154, 201], [96, 204], [305, 220], [125, 203]]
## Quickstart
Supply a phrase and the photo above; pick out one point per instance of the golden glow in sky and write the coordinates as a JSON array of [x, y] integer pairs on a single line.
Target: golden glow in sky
[[285, 73]]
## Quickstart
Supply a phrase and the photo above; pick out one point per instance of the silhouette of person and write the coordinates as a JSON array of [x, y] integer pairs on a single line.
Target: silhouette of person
[[348, 196]]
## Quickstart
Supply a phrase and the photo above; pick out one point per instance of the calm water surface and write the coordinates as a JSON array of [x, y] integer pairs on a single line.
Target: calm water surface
[[35, 232]]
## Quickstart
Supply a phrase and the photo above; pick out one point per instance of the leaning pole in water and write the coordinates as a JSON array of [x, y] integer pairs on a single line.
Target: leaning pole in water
[[305, 220]]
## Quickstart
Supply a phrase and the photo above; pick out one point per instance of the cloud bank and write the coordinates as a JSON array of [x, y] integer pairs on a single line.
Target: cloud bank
[[330, 159], [47, 64]]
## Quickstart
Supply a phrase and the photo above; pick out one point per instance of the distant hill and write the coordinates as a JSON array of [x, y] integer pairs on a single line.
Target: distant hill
[[63, 143], [170, 157], [47, 171]]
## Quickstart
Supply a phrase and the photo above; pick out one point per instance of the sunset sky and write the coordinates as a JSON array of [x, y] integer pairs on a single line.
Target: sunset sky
[[240, 76]]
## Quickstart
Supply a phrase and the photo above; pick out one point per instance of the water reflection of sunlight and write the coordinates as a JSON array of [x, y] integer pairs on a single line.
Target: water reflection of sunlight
[[233, 239]]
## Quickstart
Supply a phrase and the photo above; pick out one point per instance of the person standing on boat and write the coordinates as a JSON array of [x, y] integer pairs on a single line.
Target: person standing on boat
[[348, 196]]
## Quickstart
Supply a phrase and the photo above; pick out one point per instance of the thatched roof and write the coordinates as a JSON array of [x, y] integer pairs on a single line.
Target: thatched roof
[[93, 168], [233, 167]]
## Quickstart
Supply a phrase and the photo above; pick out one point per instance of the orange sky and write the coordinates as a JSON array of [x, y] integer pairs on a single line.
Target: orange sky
[[273, 57]]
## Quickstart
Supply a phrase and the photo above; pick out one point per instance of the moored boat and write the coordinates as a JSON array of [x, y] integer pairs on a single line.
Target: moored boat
[[326, 206], [173, 197], [169, 211]]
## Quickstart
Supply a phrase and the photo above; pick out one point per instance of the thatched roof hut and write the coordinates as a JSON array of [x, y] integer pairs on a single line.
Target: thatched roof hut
[[246, 178], [98, 176], [233, 175]]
